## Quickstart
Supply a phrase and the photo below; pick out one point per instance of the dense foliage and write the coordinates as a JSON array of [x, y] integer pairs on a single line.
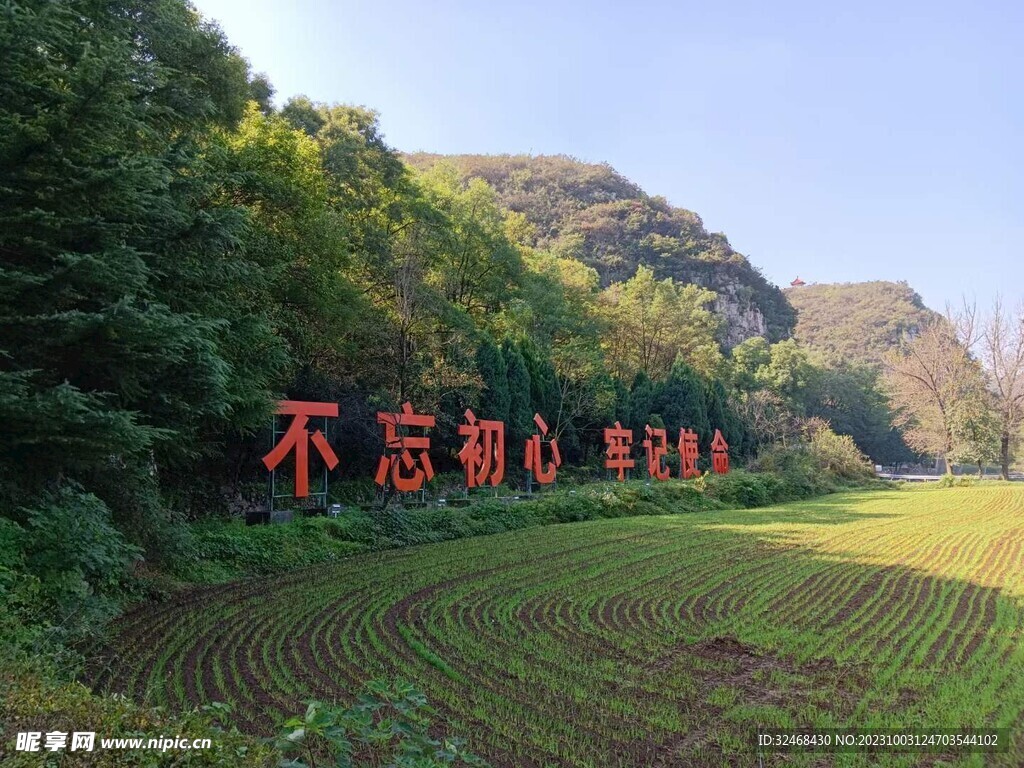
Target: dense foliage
[[591, 213], [779, 387]]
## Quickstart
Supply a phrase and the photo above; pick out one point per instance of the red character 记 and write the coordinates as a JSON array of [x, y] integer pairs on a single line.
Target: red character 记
[[618, 441], [532, 462], [483, 455], [688, 454], [719, 454], [656, 448], [298, 437], [408, 470]]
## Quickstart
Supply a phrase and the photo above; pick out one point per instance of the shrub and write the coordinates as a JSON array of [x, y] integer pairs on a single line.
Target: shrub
[[63, 570], [388, 725], [837, 454], [33, 701]]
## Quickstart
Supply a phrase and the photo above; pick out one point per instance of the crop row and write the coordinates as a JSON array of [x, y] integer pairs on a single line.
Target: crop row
[[640, 641]]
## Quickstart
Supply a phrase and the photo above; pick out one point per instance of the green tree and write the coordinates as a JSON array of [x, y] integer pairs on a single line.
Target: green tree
[[476, 264], [681, 402], [520, 414], [494, 398], [746, 359], [788, 372], [120, 266], [650, 323]]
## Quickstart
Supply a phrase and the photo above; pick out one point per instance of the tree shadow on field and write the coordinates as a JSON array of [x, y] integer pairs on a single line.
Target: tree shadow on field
[[828, 510], [643, 656], [861, 636]]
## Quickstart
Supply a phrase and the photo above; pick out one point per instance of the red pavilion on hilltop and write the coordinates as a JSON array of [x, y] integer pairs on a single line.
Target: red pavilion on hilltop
[[797, 283]]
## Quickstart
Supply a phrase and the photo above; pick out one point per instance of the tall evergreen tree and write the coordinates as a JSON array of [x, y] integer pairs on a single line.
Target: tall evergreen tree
[[520, 416], [126, 331], [494, 399], [681, 401]]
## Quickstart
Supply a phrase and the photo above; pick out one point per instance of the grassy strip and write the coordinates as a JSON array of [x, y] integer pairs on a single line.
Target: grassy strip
[[224, 551]]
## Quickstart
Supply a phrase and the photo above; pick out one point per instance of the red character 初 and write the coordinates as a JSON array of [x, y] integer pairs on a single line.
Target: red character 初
[[719, 454], [688, 454], [483, 455], [543, 474], [618, 441], [656, 448], [407, 460], [298, 437]]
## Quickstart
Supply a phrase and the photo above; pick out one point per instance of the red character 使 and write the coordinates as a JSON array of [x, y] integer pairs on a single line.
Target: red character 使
[[543, 474], [483, 455], [657, 449], [719, 454], [618, 441], [408, 470], [688, 454], [298, 437]]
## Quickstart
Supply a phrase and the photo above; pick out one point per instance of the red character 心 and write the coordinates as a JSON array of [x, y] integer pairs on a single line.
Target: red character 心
[[532, 461]]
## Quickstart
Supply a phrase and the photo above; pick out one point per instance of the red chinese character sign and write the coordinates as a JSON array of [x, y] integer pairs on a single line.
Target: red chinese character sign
[[406, 459], [719, 453], [656, 446], [483, 455], [618, 441], [688, 454], [533, 462], [297, 437]]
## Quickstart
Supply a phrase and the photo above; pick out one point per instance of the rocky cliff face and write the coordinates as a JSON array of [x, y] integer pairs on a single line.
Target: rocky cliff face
[[742, 319], [591, 213]]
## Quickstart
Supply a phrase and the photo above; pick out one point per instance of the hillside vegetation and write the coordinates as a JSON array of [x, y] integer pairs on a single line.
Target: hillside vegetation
[[592, 213], [857, 322]]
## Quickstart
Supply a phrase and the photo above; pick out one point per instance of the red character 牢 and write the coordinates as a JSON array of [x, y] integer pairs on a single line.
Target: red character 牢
[[719, 453], [688, 454], [298, 437], [656, 448], [618, 441], [408, 471], [483, 455], [532, 461]]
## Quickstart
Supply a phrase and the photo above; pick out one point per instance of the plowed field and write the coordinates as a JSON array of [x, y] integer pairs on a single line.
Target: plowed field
[[649, 641]]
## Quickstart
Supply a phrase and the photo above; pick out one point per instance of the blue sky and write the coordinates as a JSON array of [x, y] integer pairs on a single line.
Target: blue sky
[[838, 142]]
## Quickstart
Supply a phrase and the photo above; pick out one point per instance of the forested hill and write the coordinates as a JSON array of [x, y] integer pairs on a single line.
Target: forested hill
[[856, 322], [592, 213]]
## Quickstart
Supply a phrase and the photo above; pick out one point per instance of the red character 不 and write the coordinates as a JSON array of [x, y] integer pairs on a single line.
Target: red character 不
[[298, 437]]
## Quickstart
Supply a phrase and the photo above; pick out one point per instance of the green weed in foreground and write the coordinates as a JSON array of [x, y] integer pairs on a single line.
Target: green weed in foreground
[[636, 641]]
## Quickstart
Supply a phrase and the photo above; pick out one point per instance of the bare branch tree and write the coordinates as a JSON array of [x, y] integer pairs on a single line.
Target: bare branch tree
[[1002, 352], [933, 383]]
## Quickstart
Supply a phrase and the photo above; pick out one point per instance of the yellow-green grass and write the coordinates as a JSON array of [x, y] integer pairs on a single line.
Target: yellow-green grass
[[637, 641]]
